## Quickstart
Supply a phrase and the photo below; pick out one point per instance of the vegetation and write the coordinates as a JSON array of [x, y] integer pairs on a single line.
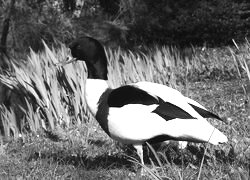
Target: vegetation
[[46, 131], [59, 139]]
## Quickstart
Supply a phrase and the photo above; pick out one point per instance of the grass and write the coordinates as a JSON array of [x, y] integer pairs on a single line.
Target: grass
[[56, 138]]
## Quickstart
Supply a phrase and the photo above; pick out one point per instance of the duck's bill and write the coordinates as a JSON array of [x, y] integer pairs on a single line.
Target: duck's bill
[[68, 60]]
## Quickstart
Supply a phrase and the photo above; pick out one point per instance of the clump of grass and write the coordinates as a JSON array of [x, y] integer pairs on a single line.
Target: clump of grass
[[51, 95], [241, 59], [9, 121]]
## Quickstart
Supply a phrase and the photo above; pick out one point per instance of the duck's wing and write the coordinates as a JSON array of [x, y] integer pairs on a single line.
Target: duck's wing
[[145, 109], [129, 94], [176, 98], [169, 96]]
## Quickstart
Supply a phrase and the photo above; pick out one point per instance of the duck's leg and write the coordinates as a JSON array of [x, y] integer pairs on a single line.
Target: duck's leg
[[139, 150]]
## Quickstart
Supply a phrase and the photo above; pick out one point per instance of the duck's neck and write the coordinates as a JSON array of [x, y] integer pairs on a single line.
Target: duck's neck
[[97, 70], [94, 88]]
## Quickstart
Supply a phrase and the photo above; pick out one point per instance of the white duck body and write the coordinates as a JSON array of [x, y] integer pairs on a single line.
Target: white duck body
[[137, 123], [94, 88]]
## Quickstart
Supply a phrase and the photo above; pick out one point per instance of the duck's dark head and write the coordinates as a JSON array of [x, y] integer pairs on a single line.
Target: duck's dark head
[[92, 52]]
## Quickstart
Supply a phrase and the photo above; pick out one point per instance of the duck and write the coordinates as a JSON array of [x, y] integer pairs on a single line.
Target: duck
[[141, 112]]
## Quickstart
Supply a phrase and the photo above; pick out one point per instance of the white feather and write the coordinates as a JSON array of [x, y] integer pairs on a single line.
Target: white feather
[[93, 91]]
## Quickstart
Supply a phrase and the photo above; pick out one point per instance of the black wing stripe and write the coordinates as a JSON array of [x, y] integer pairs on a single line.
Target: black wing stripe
[[160, 138], [170, 111], [130, 95], [103, 111], [204, 113]]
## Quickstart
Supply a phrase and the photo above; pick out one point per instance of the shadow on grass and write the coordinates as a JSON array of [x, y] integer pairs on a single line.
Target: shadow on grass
[[89, 163], [174, 155], [93, 162], [191, 154], [102, 154]]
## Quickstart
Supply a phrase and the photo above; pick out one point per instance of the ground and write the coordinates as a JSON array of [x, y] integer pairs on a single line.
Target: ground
[[88, 153]]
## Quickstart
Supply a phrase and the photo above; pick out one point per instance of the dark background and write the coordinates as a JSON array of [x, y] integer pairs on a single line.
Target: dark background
[[125, 23]]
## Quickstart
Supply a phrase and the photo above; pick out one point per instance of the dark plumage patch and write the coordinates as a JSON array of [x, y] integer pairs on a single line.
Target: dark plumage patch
[[92, 52], [131, 95], [160, 138], [206, 114], [103, 111], [170, 111]]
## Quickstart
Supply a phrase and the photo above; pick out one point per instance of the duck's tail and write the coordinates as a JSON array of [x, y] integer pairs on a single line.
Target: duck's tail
[[194, 130]]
